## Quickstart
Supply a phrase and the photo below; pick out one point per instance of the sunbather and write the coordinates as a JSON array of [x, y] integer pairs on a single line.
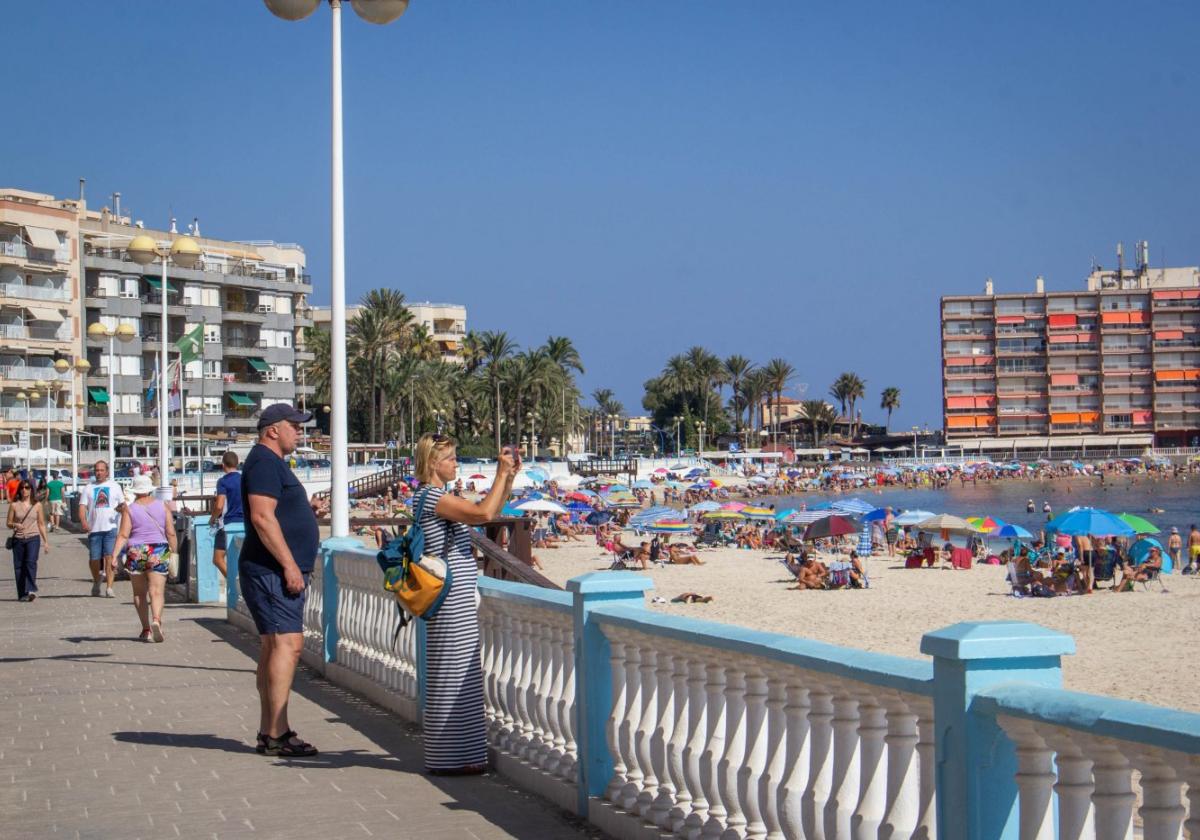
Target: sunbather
[[681, 555], [1131, 574]]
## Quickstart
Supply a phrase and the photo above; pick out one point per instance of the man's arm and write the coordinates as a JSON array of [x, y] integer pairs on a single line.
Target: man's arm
[[262, 515], [218, 508]]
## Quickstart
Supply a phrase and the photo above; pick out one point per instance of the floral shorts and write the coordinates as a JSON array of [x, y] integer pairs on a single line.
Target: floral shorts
[[140, 559]]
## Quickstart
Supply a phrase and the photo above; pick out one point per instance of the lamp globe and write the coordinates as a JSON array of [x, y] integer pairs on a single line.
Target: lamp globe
[[142, 249], [185, 251], [125, 332], [379, 11], [97, 330], [62, 365], [83, 365], [292, 9]]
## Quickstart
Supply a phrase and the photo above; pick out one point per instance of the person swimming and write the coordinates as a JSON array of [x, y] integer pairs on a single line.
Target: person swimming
[[1030, 507]]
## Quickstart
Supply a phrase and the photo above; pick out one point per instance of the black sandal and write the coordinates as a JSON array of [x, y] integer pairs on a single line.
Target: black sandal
[[289, 745]]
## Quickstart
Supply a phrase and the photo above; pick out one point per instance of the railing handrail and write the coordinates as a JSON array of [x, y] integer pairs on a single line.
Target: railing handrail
[[1121, 720], [514, 569]]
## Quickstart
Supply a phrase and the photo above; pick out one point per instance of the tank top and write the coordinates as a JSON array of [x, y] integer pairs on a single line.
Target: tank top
[[149, 523], [25, 517]]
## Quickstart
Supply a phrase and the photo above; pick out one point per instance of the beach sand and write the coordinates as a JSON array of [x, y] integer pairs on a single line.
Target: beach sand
[[1139, 645]]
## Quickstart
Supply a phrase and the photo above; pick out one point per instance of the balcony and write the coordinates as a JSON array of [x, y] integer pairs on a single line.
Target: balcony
[[34, 414], [20, 331], [29, 373], [28, 292], [20, 250]]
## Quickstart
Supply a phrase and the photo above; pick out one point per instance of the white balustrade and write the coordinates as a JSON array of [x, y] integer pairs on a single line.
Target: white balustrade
[[314, 630], [1094, 779]]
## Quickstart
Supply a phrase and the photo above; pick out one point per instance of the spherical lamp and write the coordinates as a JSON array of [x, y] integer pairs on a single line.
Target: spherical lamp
[[97, 330], [292, 9], [22, 396], [185, 252], [125, 332], [62, 365], [379, 11], [142, 249], [83, 365]]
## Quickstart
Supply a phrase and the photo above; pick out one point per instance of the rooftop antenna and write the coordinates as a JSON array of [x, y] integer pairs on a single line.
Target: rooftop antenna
[[1120, 264], [195, 225], [116, 197], [173, 228], [82, 184]]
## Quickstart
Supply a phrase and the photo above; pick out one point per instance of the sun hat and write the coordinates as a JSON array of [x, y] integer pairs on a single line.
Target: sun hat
[[1174, 529], [142, 485]]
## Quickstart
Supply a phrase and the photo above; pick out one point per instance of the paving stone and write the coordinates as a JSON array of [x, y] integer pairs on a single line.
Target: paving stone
[[104, 736]]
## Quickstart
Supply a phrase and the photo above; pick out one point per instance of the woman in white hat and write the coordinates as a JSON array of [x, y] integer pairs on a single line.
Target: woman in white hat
[[149, 532]]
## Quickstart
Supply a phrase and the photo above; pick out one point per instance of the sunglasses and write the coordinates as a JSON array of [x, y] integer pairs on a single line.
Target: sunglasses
[[440, 438]]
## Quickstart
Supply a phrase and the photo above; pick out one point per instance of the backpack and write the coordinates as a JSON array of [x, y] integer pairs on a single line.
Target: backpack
[[420, 582]]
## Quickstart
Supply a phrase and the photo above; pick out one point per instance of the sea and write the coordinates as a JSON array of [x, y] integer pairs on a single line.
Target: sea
[[1166, 502]]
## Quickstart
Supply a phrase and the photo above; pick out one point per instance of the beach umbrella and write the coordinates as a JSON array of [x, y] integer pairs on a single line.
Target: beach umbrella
[[669, 526], [579, 507], [476, 476], [704, 507], [624, 503], [804, 517], [1008, 531], [733, 506], [758, 513], [987, 524], [1138, 524], [661, 471], [695, 472], [912, 517], [784, 514], [855, 507], [598, 517], [653, 514], [864, 540], [723, 514], [830, 526], [542, 506], [525, 479], [947, 522], [537, 474], [642, 484], [616, 488], [877, 515], [576, 496], [1092, 521], [509, 510], [1139, 552]]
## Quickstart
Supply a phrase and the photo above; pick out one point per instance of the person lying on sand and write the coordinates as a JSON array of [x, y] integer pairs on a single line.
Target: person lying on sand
[[692, 598]]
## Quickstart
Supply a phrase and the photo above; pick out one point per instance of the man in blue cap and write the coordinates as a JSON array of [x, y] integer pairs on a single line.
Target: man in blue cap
[[277, 557]]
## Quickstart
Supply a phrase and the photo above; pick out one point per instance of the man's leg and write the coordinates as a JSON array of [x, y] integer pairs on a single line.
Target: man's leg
[[219, 560], [266, 644], [281, 669], [94, 560]]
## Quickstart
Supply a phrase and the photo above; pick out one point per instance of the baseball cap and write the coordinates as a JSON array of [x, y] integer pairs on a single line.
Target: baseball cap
[[279, 412]]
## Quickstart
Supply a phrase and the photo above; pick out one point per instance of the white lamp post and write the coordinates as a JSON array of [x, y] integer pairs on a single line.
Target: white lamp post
[[124, 332], [79, 368], [45, 386], [184, 251], [700, 426], [373, 11], [197, 408], [28, 400]]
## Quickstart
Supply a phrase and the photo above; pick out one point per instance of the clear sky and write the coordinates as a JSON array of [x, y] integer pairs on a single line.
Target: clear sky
[[789, 178]]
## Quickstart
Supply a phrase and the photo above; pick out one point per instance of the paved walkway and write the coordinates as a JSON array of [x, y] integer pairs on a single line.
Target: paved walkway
[[102, 736]]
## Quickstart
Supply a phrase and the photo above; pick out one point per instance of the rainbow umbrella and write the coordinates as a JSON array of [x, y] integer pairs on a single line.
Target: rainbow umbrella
[[724, 514], [758, 513], [733, 506], [669, 526], [987, 524]]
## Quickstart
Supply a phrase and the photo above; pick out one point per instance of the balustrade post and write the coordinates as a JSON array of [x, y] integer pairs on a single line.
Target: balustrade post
[[839, 810], [697, 723], [976, 763], [663, 730], [903, 772], [594, 673], [874, 759], [329, 593], [1076, 818], [753, 769]]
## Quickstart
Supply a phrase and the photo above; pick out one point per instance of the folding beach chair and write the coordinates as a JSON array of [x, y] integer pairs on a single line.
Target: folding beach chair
[[1154, 576], [1018, 583]]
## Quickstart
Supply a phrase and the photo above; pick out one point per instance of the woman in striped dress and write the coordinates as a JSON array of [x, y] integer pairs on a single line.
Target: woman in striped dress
[[455, 731]]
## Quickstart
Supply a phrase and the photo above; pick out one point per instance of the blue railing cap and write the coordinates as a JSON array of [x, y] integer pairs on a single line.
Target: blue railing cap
[[609, 582], [996, 640], [524, 593], [1123, 720]]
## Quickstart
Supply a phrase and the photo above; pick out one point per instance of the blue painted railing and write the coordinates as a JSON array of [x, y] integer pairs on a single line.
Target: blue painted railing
[[647, 723]]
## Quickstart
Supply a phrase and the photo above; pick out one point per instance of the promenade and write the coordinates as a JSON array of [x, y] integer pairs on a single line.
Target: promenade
[[103, 736]]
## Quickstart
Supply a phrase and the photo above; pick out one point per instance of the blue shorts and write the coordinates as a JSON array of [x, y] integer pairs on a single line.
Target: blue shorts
[[275, 610], [101, 544], [219, 540]]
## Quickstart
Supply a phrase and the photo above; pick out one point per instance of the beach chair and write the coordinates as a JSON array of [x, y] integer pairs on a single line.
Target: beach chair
[[1018, 583], [839, 575], [1153, 576], [619, 558]]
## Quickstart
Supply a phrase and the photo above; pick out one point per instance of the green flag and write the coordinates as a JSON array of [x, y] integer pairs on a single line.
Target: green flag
[[191, 345]]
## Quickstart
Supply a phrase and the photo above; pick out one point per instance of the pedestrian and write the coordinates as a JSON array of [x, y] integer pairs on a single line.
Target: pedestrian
[[1194, 547], [277, 557], [454, 730], [1175, 551], [227, 506], [27, 519], [11, 481], [55, 487], [148, 530], [100, 506]]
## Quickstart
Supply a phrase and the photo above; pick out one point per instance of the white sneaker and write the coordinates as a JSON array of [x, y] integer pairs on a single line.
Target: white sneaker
[[96, 589], [108, 593]]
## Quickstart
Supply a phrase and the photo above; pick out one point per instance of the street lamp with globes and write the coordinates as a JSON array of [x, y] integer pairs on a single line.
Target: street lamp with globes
[[28, 399], [79, 368], [184, 252], [372, 11], [125, 333]]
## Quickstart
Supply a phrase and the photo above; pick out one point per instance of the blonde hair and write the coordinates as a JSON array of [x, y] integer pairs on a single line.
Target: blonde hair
[[430, 450]]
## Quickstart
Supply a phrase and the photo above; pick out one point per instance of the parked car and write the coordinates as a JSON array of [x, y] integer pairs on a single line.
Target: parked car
[[320, 463]]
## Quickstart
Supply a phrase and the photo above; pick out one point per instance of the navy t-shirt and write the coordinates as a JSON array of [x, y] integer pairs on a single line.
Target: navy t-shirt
[[230, 486], [266, 474]]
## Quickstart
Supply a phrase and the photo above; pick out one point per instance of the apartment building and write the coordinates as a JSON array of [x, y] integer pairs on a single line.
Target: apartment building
[[445, 324], [39, 316], [250, 297], [1115, 364]]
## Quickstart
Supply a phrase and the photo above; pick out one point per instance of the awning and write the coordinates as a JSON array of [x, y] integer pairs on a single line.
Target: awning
[[241, 400], [156, 283], [98, 395], [42, 238], [259, 365], [43, 313]]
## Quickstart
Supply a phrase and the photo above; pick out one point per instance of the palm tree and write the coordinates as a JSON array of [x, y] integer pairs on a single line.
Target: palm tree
[[377, 335], [316, 372], [889, 401], [778, 373], [736, 368], [755, 387], [707, 374], [561, 351], [856, 389], [839, 390], [819, 415], [496, 347]]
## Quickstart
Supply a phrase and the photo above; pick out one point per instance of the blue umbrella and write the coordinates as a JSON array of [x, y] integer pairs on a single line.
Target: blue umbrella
[[1092, 521], [653, 514], [509, 510], [877, 515], [784, 514], [704, 507], [1009, 531], [598, 517], [642, 484]]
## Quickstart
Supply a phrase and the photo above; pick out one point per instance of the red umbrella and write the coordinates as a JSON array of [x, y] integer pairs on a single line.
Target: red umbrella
[[830, 526], [578, 497]]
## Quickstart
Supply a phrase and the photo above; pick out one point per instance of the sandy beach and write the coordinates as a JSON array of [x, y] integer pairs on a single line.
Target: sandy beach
[[1113, 633]]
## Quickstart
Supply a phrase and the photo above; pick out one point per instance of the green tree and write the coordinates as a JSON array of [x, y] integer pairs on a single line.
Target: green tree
[[736, 368], [496, 348], [778, 373], [820, 415], [889, 401]]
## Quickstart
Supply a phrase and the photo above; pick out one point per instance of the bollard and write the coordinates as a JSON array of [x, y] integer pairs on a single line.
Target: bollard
[[976, 763]]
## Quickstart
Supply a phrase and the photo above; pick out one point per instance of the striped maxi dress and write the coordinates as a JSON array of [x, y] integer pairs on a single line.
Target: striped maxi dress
[[455, 731]]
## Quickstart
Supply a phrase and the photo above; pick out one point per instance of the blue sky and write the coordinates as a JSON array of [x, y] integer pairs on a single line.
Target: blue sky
[[770, 178]]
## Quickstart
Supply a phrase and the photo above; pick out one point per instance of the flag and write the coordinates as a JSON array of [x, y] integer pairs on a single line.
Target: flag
[[191, 345], [175, 395], [153, 389]]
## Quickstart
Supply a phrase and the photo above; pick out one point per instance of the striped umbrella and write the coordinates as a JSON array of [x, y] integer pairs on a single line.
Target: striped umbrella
[[854, 507], [864, 540], [669, 526], [804, 517], [1138, 524], [723, 514], [733, 506], [758, 513]]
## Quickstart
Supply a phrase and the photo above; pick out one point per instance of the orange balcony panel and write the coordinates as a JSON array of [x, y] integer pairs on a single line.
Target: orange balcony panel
[[1063, 320]]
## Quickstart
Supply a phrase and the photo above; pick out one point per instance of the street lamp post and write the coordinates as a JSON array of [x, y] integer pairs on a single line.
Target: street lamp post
[[28, 400], [47, 387], [612, 436], [532, 435], [124, 332], [78, 369], [678, 422], [197, 407], [373, 11], [184, 252], [701, 426], [915, 429]]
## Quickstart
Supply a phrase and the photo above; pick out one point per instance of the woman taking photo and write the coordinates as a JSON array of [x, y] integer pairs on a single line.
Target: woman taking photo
[[454, 726], [149, 532], [27, 520]]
